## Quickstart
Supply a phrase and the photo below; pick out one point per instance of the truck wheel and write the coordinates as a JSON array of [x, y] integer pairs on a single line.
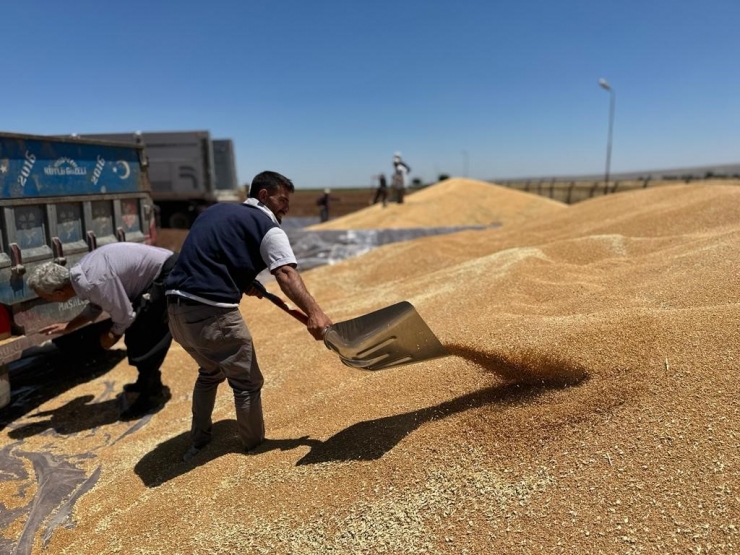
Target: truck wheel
[[179, 220]]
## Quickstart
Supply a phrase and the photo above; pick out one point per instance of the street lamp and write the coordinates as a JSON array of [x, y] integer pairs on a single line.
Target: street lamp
[[607, 87]]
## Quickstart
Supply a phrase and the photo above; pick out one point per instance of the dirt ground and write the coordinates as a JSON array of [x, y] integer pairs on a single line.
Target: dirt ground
[[588, 404], [343, 201]]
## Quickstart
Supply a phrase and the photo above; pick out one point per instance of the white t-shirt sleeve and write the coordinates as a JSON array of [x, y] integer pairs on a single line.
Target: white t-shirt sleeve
[[276, 250]]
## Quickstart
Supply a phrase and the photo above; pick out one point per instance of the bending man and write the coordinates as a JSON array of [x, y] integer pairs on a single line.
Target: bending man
[[126, 280]]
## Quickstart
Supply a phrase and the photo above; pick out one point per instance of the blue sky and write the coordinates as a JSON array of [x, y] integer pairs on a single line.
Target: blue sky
[[326, 91]]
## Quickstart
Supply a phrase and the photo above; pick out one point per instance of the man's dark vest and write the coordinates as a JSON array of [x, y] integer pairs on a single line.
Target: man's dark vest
[[221, 254]]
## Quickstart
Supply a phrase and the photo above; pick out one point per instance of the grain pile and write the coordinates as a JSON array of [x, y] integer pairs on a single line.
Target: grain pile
[[452, 202], [589, 405]]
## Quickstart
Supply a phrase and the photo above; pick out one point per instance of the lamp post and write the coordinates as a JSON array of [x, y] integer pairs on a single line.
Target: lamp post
[[607, 87]]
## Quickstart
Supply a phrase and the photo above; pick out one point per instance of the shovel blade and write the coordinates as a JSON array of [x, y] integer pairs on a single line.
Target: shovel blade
[[392, 336]]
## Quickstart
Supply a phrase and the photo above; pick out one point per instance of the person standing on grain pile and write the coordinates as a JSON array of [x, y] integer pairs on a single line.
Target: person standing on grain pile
[[400, 176], [382, 193], [126, 280], [227, 246], [323, 203]]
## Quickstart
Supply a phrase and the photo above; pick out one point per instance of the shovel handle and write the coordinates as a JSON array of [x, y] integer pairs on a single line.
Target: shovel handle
[[295, 313]]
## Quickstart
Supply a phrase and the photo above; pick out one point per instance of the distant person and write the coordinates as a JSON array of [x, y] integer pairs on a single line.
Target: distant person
[[400, 177], [126, 280], [382, 193], [227, 246], [323, 203]]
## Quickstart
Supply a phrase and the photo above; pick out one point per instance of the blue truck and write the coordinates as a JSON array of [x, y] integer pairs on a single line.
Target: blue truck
[[60, 198]]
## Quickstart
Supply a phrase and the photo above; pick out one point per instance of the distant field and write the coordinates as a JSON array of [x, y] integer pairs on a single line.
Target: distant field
[[303, 201], [571, 192]]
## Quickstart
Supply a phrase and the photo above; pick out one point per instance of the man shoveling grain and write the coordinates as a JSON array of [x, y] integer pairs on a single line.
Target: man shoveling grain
[[227, 246]]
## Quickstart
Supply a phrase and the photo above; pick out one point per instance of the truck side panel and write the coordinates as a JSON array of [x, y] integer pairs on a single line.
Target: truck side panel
[[180, 162], [40, 168]]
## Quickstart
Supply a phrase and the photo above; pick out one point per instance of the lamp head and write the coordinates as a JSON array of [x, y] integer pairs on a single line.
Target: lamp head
[[604, 84]]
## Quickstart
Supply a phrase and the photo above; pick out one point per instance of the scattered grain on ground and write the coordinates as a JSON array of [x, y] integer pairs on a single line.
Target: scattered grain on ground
[[589, 404]]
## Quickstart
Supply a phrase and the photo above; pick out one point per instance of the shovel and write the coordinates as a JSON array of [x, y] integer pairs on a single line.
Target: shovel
[[392, 336]]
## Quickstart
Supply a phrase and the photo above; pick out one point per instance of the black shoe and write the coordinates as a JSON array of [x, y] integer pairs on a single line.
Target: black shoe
[[138, 387], [193, 451], [147, 404]]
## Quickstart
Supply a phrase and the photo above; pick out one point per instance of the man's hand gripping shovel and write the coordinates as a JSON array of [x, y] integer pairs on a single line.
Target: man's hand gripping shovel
[[392, 336]]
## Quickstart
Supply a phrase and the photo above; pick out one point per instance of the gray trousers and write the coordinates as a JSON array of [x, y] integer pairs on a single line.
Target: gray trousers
[[219, 341]]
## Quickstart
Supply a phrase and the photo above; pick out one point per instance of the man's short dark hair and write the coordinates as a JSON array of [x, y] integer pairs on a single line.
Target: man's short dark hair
[[270, 181]]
